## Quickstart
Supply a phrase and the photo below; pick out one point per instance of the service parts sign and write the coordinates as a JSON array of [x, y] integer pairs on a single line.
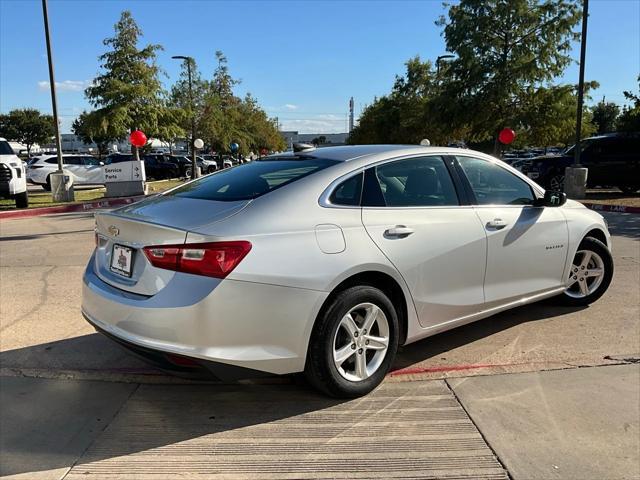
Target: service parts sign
[[124, 172]]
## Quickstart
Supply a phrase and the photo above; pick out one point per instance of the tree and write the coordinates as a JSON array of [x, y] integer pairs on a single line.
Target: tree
[[629, 120], [503, 49], [224, 118], [605, 115], [27, 126], [89, 127], [127, 94]]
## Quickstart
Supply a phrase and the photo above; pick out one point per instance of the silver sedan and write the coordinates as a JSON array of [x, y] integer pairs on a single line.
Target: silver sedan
[[325, 261]]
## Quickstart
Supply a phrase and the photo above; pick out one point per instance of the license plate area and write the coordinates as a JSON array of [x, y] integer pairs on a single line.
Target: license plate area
[[121, 260]]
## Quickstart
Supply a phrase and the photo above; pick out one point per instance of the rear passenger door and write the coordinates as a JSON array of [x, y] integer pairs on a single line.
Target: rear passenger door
[[414, 214], [526, 245]]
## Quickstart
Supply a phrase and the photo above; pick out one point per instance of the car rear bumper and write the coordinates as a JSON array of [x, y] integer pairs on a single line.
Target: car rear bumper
[[242, 324]]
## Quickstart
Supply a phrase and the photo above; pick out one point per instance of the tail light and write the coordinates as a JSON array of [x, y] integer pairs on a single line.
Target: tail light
[[215, 259]]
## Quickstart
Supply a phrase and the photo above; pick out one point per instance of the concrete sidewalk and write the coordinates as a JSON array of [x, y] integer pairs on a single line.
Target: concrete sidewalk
[[570, 424]]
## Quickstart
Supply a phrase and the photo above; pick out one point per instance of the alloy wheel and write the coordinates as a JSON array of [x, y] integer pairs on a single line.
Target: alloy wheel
[[586, 274], [361, 342]]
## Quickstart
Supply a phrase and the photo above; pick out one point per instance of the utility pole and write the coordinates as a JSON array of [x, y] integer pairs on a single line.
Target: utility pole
[[350, 115], [60, 190], [576, 176]]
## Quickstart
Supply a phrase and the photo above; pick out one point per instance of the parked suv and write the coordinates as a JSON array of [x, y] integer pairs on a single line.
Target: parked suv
[[13, 178], [613, 160], [155, 166], [85, 170]]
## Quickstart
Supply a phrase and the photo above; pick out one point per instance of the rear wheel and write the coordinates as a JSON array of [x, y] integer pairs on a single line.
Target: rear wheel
[[22, 199], [353, 343], [590, 274], [47, 186], [211, 169]]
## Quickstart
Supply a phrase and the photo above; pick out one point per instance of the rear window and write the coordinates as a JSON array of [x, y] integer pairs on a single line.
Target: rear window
[[250, 180]]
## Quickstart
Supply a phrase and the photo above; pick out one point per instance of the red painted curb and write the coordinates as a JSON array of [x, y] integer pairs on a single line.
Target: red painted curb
[[611, 208], [76, 207]]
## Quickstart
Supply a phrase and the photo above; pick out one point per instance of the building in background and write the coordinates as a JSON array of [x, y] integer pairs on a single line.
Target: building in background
[[318, 139]]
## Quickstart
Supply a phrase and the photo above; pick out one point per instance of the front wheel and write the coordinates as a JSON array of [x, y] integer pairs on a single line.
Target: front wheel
[[590, 274], [353, 343], [555, 182]]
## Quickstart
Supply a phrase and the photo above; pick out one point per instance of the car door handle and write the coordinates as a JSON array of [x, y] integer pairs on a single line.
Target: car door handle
[[398, 231], [497, 223]]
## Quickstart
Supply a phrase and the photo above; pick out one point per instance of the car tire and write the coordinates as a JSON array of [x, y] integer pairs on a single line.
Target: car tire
[[22, 199], [592, 256], [629, 189], [555, 182], [344, 360], [47, 186], [211, 169]]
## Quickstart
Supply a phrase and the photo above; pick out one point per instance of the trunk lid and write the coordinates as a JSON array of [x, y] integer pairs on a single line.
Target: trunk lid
[[161, 220]]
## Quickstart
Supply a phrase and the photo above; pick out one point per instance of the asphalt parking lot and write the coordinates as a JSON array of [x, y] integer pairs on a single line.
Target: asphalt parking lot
[[506, 394]]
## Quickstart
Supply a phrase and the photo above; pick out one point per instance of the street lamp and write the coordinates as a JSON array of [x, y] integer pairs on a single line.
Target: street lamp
[[194, 166], [60, 188], [441, 57]]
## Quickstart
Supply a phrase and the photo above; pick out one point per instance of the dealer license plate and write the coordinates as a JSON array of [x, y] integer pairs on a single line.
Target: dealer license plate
[[121, 260]]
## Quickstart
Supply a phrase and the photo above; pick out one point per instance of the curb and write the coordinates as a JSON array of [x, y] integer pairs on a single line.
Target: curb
[[599, 207], [76, 207]]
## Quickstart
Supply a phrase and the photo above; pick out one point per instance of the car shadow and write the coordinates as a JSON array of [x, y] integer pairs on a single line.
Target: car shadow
[[189, 409]]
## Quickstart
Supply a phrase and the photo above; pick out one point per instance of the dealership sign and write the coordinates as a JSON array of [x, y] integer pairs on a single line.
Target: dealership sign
[[124, 172]]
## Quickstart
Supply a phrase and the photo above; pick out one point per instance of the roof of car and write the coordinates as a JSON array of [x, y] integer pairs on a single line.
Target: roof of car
[[350, 152]]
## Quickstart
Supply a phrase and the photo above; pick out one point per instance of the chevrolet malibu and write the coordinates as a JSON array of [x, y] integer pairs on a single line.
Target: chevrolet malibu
[[325, 261]]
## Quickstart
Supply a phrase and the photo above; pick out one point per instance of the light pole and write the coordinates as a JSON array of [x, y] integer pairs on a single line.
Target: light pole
[[575, 178], [60, 191], [441, 57], [194, 166]]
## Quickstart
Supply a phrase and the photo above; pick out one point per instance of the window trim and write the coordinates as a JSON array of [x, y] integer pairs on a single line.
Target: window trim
[[535, 189], [463, 200]]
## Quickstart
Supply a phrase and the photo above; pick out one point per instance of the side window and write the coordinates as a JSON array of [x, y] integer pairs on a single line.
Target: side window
[[90, 161], [72, 160], [493, 185], [415, 182], [53, 161], [348, 192]]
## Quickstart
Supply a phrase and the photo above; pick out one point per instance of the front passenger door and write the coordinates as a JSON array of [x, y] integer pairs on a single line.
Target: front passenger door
[[526, 245]]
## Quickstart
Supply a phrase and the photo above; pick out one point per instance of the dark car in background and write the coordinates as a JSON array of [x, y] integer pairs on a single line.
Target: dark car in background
[[613, 160]]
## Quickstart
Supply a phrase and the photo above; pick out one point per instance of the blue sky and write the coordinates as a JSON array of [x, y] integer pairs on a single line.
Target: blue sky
[[302, 60]]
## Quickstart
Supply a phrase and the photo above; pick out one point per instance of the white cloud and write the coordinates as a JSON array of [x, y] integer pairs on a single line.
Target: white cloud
[[65, 85], [290, 106], [318, 125]]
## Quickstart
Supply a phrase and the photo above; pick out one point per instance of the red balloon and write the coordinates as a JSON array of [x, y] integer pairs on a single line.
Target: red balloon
[[506, 136], [138, 138]]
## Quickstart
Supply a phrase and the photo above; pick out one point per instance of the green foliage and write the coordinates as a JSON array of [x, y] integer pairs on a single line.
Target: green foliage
[[92, 127], [507, 53], [605, 115], [27, 126], [629, 120], [127, 94]]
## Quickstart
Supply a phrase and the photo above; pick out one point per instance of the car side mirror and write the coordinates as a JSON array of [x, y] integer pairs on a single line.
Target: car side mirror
[[551, 199]]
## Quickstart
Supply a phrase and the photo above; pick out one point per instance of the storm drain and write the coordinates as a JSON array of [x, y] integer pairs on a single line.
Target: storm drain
[[402, 430]]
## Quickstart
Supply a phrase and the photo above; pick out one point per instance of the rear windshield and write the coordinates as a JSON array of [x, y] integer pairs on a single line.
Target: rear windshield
[[251, 180]]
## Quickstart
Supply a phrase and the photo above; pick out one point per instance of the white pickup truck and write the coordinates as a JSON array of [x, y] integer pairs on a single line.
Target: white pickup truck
[[13, 178]]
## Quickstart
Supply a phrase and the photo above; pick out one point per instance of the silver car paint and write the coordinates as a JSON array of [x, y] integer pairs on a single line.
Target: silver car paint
[[262, 315]]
